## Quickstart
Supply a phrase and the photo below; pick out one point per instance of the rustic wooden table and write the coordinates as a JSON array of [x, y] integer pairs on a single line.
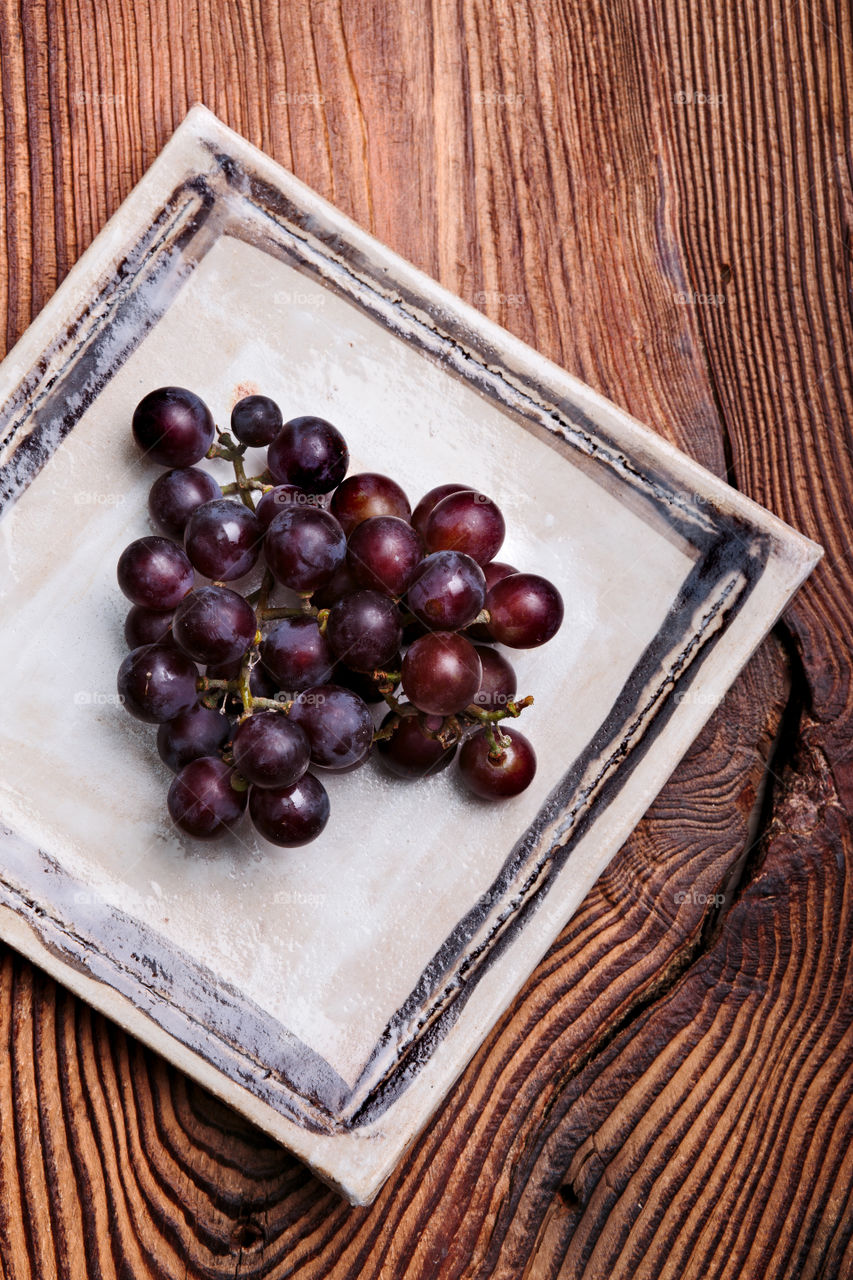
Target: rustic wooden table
[[659, 198]]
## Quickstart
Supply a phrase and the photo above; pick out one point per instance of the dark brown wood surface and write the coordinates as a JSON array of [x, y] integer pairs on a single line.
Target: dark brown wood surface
[[658, 197]]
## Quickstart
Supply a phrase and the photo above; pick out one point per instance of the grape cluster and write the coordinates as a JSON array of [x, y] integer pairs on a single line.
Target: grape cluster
[[362, 602]]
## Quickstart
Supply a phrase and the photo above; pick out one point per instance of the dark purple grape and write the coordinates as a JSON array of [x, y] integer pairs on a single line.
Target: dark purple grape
[[365, 495], [498, 685], [364, 630], [338, 725], [448, 591], [154, 572], [176, 494], [297, 654], [270, 750], [304, 547], [290, 816], [441, 673], [223, 539], [383, 553], [157, 682], [493, 572], [256, 421], [198, 731], [148, 626], [497, 779], [409, 752], [430, 501], [214, 624], [203, 800], [282, 497], [361, 682], [308, 452], [173, 426], [525, 610], [468, 522], [342, 583]]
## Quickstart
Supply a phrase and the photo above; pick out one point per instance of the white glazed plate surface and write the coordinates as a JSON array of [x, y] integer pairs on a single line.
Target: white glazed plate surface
[[334, 993]]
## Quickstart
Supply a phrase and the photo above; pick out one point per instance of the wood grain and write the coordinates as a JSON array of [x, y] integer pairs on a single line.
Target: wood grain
[[659, 198]]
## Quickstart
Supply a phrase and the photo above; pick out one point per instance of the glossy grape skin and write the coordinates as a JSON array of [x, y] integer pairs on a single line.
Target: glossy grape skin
[[198, 731], [342, 583], [304, 547], [297, 654], [174, 426], [364, 630], [409, 752], [270, 750], [155, 573], [430, 501], [501, 779], [368, 494], [525, 611], [202, 800], [175, 495], [383, 553], [308, 452], [448, 591], [361, 683], [441, 673], [499, 684], [493, 572], [338, 725], [256, 421], [223, 539], [290, 816], [214, 624], [156, 682], [468, 522], [282, 498], [148, 626]]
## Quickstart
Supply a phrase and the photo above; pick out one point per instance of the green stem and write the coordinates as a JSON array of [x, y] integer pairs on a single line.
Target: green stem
[[511, 710]]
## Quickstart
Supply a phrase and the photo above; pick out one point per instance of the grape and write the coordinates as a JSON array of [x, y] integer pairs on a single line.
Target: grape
[[173, 426], [448, 590], [214, 624], [468, 522], [342, 583], [198, 731], [364, 630], [501, 778], [280, 499], [498, 685], [156, 682], [411, 753], [203, 800], [361, 682], [308, 452], [148, 626], [223, 539], [525, 610], [297, 654], [441, 673], [365, 495], [429, 502], [338, 725], [290, 816], [154, 572], [256, 421], [304, 547], [176, 494], [383, 553], [493, 572], [270, 750]]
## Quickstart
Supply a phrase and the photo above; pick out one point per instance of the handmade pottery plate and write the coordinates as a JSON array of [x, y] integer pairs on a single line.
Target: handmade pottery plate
[[333, 993]]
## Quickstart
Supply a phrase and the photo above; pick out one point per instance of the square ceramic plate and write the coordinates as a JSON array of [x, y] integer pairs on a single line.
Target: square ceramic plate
[[334, 993]]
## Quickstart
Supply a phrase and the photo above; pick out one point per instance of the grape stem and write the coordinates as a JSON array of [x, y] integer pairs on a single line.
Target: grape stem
[[513, 709]]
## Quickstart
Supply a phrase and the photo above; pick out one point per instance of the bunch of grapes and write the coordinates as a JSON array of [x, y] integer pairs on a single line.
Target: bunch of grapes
[[362, 603]]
